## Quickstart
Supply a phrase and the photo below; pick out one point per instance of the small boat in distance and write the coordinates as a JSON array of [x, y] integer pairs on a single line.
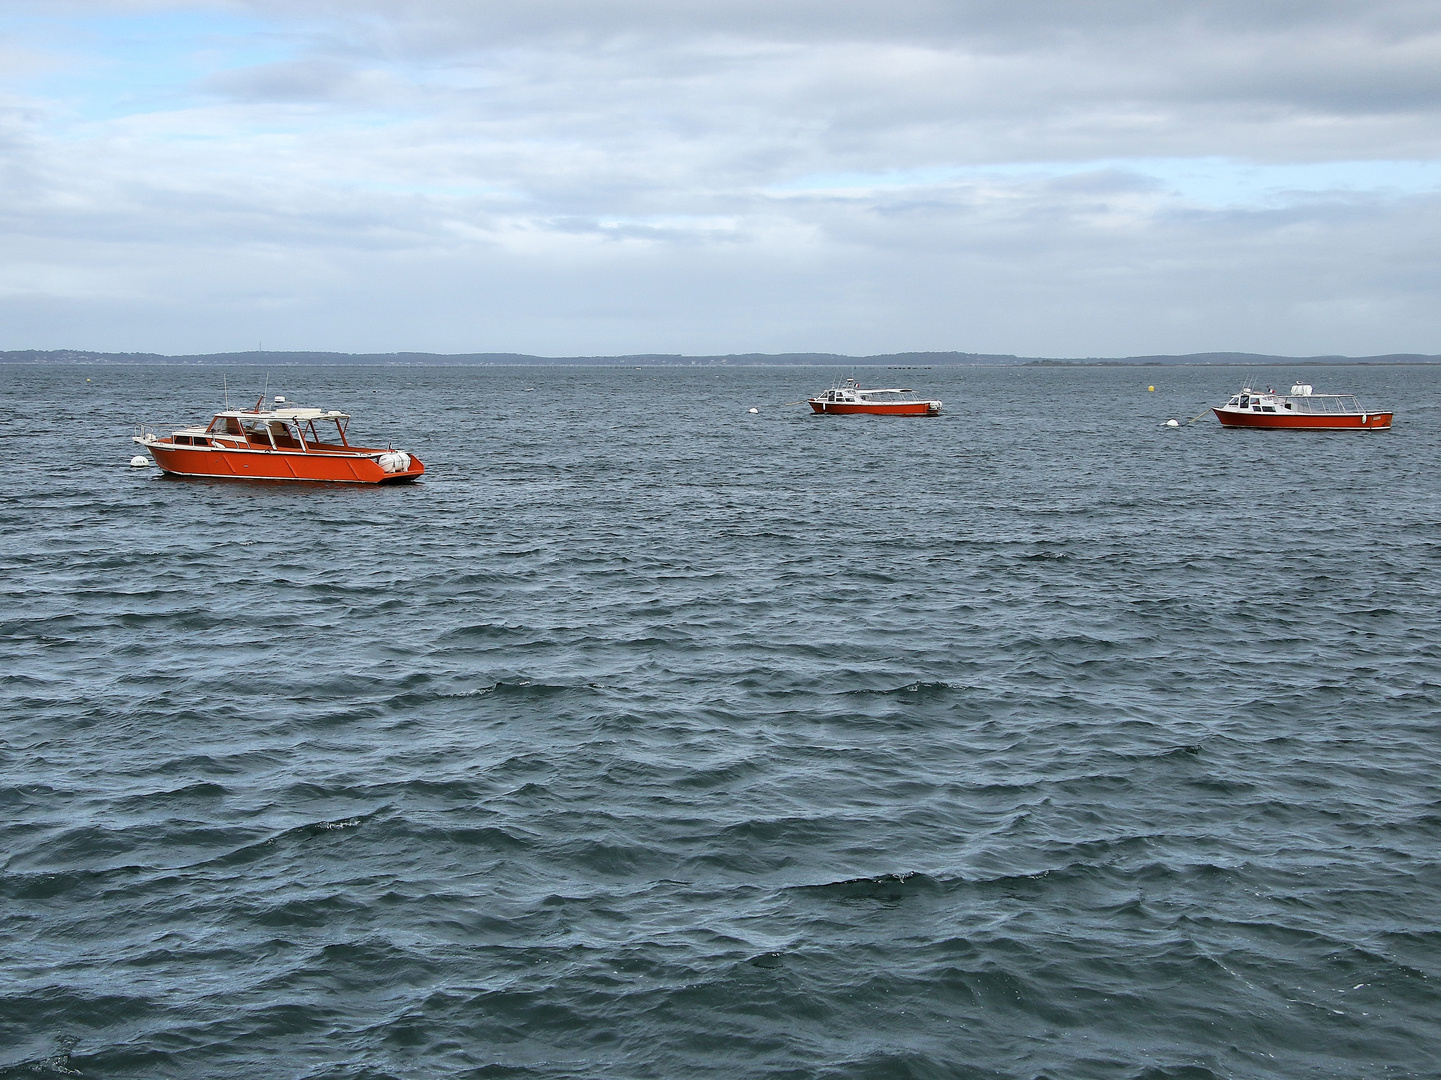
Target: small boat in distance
[[851, 397], [280, 443], [1301, 408]]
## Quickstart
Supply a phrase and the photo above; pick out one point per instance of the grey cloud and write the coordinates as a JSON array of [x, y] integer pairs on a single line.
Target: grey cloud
[[973, 82], [1005, 23], [486, 175], [312, 80], [1037, 277]]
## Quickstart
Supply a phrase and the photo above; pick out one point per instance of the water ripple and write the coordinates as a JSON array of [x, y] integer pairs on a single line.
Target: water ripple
[[651, 738]]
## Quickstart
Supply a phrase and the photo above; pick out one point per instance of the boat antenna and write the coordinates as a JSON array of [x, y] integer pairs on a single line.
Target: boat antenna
[[225, 384], [263, 389]]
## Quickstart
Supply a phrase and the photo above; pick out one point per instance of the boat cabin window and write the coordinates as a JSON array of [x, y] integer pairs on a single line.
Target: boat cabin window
[[1325, 404], [284, 435], [225, 425], [325, 432]]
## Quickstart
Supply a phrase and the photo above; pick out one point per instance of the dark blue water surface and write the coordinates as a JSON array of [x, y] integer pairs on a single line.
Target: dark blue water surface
[[647, 737]]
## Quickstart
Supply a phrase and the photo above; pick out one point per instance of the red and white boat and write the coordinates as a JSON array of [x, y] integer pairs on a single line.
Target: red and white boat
[[851, 397], [1299, 409], [279, 443]]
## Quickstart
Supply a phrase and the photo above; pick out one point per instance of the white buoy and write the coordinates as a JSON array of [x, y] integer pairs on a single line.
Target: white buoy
[[1173, 423], [755, 410], [140, 461]]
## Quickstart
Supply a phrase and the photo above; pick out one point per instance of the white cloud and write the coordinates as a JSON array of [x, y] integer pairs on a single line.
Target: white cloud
[[568, 177]]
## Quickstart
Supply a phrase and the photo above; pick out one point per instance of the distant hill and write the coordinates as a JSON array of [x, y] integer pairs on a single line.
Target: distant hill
[[906, 359]]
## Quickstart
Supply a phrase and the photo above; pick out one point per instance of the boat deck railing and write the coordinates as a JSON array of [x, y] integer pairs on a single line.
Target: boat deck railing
[[1326, 404]]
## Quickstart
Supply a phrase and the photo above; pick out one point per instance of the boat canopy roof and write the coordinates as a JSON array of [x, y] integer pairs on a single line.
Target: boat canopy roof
[[299, 415], [1296, 391], [853, 385]]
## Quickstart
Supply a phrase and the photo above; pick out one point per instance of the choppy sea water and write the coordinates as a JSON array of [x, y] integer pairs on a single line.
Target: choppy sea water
[[647, 737]]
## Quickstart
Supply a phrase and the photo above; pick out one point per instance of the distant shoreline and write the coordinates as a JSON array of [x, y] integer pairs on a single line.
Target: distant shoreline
[[893, 360]]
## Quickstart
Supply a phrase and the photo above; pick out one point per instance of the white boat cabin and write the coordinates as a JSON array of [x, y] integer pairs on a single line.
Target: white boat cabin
[[1299, 401], [851, 392]]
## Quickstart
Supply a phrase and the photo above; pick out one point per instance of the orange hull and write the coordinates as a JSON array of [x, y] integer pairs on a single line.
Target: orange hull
[[354, 466], [877, 408], [1237, 418]]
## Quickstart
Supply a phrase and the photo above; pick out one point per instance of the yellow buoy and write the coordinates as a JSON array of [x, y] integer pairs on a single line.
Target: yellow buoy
[[1150, 388]]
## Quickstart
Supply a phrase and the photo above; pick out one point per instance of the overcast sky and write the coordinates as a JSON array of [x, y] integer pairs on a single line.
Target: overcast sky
[[1043, 177]]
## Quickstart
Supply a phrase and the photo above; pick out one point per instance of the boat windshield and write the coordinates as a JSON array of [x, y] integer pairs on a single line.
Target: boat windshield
[[284, 435], [225, 425], [276, 433]]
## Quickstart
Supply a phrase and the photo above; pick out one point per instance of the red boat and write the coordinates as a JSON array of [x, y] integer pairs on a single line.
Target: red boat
[[1299, 409], [280, 443], [850, 397]]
